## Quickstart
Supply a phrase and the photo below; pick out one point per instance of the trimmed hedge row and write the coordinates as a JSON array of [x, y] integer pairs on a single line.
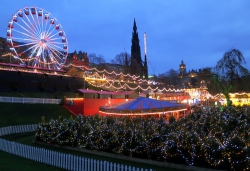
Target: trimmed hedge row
[[212, 139]]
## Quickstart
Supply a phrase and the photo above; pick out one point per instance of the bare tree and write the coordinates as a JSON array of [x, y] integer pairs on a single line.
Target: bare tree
[[173, 75], [95, 60], [169, 78], [100, 59], [229, 72], [204, 74], [121, 59]]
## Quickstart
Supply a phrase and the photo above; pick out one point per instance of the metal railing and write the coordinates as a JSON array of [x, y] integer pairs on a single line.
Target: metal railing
[[30, 100]]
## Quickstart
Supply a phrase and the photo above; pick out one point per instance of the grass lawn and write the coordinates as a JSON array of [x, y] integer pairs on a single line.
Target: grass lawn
[[22, 114], [9, 162]]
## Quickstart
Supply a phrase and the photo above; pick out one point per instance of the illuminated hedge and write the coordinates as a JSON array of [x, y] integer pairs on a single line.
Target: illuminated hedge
[[214, 138]]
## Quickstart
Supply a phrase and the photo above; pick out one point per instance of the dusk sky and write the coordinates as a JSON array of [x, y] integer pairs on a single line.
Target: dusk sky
[[198, 32]]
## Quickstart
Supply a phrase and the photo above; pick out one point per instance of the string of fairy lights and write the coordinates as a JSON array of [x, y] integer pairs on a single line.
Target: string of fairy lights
[[110, 84], [104, 71], [209, 138], [107, 80], [142, 113], [6, 54], [86, 68], [30, 59]]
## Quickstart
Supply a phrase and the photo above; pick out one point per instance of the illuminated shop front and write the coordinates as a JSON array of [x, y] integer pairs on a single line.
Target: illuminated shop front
[[238, 99]]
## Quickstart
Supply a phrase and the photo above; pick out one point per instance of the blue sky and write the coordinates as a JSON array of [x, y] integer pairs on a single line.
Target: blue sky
[[197, 32]]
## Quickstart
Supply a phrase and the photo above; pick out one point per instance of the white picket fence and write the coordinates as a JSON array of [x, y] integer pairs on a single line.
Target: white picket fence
[[61, 160], [17, 129], [29, 100]]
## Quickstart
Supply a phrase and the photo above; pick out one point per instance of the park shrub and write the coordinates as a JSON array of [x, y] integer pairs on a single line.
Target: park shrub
[[213, 139]]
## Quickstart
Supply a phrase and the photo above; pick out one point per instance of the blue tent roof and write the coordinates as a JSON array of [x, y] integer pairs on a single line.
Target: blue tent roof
[[143, 104]]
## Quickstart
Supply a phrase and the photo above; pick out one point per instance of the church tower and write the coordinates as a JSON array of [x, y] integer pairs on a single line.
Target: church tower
[[136, 66], [183, 75], [182, 69]]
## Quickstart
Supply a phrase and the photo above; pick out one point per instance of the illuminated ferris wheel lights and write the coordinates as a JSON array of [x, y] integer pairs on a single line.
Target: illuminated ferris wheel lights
[[38, 39], [43, 41]]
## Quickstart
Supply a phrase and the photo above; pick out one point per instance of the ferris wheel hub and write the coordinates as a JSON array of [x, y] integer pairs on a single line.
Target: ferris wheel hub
[[43, 40]]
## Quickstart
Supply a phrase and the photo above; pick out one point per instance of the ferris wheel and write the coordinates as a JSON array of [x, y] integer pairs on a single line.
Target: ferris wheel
[[36, 39]]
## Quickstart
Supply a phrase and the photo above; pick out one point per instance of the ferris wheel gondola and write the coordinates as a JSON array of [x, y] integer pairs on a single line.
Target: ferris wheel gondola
[[37, 39]]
